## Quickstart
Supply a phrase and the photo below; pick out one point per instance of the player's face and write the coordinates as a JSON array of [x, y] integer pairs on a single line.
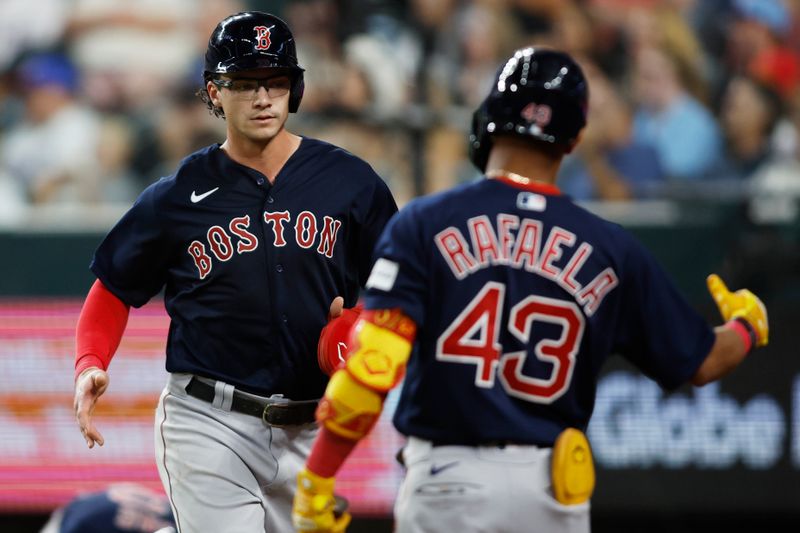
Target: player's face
[[256, 102]]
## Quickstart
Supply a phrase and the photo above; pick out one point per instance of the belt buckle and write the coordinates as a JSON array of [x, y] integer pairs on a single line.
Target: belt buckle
[[265, 413]]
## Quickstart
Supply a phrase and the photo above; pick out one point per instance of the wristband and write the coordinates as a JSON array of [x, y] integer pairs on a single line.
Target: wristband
[[745, 331]]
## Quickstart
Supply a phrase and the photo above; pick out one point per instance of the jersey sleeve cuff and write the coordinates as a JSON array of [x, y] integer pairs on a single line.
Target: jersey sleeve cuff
[[87, 361]]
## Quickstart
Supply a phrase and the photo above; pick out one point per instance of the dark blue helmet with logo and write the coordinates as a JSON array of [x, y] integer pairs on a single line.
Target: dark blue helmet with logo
[[252, 40], [538, 93]]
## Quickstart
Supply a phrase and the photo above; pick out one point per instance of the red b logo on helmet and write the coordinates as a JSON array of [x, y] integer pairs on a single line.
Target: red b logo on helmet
[[537, 114], [262, 37]]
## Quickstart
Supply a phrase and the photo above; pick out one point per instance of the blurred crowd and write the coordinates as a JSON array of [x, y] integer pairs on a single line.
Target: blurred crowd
[[688, 97]]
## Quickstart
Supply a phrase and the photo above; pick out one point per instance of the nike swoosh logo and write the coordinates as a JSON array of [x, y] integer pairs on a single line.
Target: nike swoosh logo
[[437, 469], [197, 197]]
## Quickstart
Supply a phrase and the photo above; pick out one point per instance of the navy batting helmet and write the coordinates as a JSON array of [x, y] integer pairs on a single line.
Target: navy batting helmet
[[252, 40], [539, 93]]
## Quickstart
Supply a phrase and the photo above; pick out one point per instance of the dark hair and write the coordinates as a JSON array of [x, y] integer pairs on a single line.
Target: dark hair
[[202, 93]]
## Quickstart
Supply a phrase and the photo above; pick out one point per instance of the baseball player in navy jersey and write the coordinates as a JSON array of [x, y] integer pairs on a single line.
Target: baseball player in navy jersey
[[499, 301], [121, 508], [256, 243]]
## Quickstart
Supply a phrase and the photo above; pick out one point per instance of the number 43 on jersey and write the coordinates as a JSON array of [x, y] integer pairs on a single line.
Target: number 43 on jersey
[[472, 338]]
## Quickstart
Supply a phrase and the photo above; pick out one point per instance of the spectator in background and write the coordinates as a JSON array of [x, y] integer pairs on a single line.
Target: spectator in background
[[749, 113], [761, 150], [52, 151], [23, 28], [117, 183], [573, 30], [122, 508], [756, 44], [333, 84], [684, 133], [183, 126], [158, 144], [608, 163], [709, 21], [382, 88], [486, 36], [349, 75], [434, 24], [131, 52], [13, 201], [537, 17], [355, 87], [663, 26], [461, 45]]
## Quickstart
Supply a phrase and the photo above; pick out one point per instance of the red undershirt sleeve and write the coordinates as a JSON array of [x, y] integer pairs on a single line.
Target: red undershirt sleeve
[[100, 327], [329, 452]]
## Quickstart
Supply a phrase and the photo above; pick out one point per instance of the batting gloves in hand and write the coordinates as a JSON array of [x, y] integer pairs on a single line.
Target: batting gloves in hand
[[332, 345], [743, 306], [316, 509]]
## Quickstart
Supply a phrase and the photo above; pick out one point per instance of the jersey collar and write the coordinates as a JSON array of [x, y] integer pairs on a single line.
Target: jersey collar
[[521, 182]]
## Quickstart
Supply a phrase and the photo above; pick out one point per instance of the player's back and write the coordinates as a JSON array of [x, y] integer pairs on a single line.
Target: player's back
[[122, 508], [521, 296]]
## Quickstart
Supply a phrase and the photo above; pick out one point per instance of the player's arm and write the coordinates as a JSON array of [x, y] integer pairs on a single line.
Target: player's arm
[[745, 329], [379, 346], [100, 327]]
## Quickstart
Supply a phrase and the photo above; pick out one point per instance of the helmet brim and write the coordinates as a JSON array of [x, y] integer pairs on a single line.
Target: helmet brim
[[256, 61]]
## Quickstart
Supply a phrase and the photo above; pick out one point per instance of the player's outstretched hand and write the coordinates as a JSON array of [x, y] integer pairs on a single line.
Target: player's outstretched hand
[[90, 385], [316, 509], [741, 304]]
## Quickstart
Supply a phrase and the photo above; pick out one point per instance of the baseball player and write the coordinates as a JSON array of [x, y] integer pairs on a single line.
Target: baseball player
[[121, 508], [499, 301], [255, 242]]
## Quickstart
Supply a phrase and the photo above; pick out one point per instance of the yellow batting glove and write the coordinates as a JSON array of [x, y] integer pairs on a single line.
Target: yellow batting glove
[[741, 304], [316, 509]]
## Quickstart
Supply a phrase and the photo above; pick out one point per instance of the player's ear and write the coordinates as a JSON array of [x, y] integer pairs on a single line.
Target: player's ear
[[213, 94]]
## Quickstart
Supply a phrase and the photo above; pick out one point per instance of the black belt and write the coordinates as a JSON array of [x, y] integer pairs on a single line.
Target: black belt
[[275, 412], [487, 444]]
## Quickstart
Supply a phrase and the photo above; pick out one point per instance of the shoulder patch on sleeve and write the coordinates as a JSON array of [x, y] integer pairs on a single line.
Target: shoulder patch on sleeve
[[383, 275]]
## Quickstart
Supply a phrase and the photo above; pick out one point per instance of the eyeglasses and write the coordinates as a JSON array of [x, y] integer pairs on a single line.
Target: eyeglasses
[[247, 88]]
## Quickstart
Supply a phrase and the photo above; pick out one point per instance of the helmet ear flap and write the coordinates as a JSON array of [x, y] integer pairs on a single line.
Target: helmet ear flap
[[296, 93], [480, 143]]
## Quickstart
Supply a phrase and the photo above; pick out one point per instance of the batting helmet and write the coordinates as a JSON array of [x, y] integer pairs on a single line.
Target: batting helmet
[[252, 40], [538, 93]]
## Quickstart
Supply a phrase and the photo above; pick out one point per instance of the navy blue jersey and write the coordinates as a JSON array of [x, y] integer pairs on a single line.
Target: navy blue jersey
[[123, 508], [520, 296], [249, 269]]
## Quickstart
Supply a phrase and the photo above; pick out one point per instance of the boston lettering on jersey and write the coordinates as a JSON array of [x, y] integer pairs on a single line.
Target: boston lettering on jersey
[[221, 241], [518, 243]]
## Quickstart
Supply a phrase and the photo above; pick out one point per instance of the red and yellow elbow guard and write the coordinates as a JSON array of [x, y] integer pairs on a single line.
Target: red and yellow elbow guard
[[380, 346]]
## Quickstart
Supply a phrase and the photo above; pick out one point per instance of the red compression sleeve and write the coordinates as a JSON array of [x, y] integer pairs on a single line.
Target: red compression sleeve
[[100, 328], [328, 453]]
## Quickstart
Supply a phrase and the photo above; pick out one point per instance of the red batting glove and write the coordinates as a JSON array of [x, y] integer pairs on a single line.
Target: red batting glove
[[332, 346]]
